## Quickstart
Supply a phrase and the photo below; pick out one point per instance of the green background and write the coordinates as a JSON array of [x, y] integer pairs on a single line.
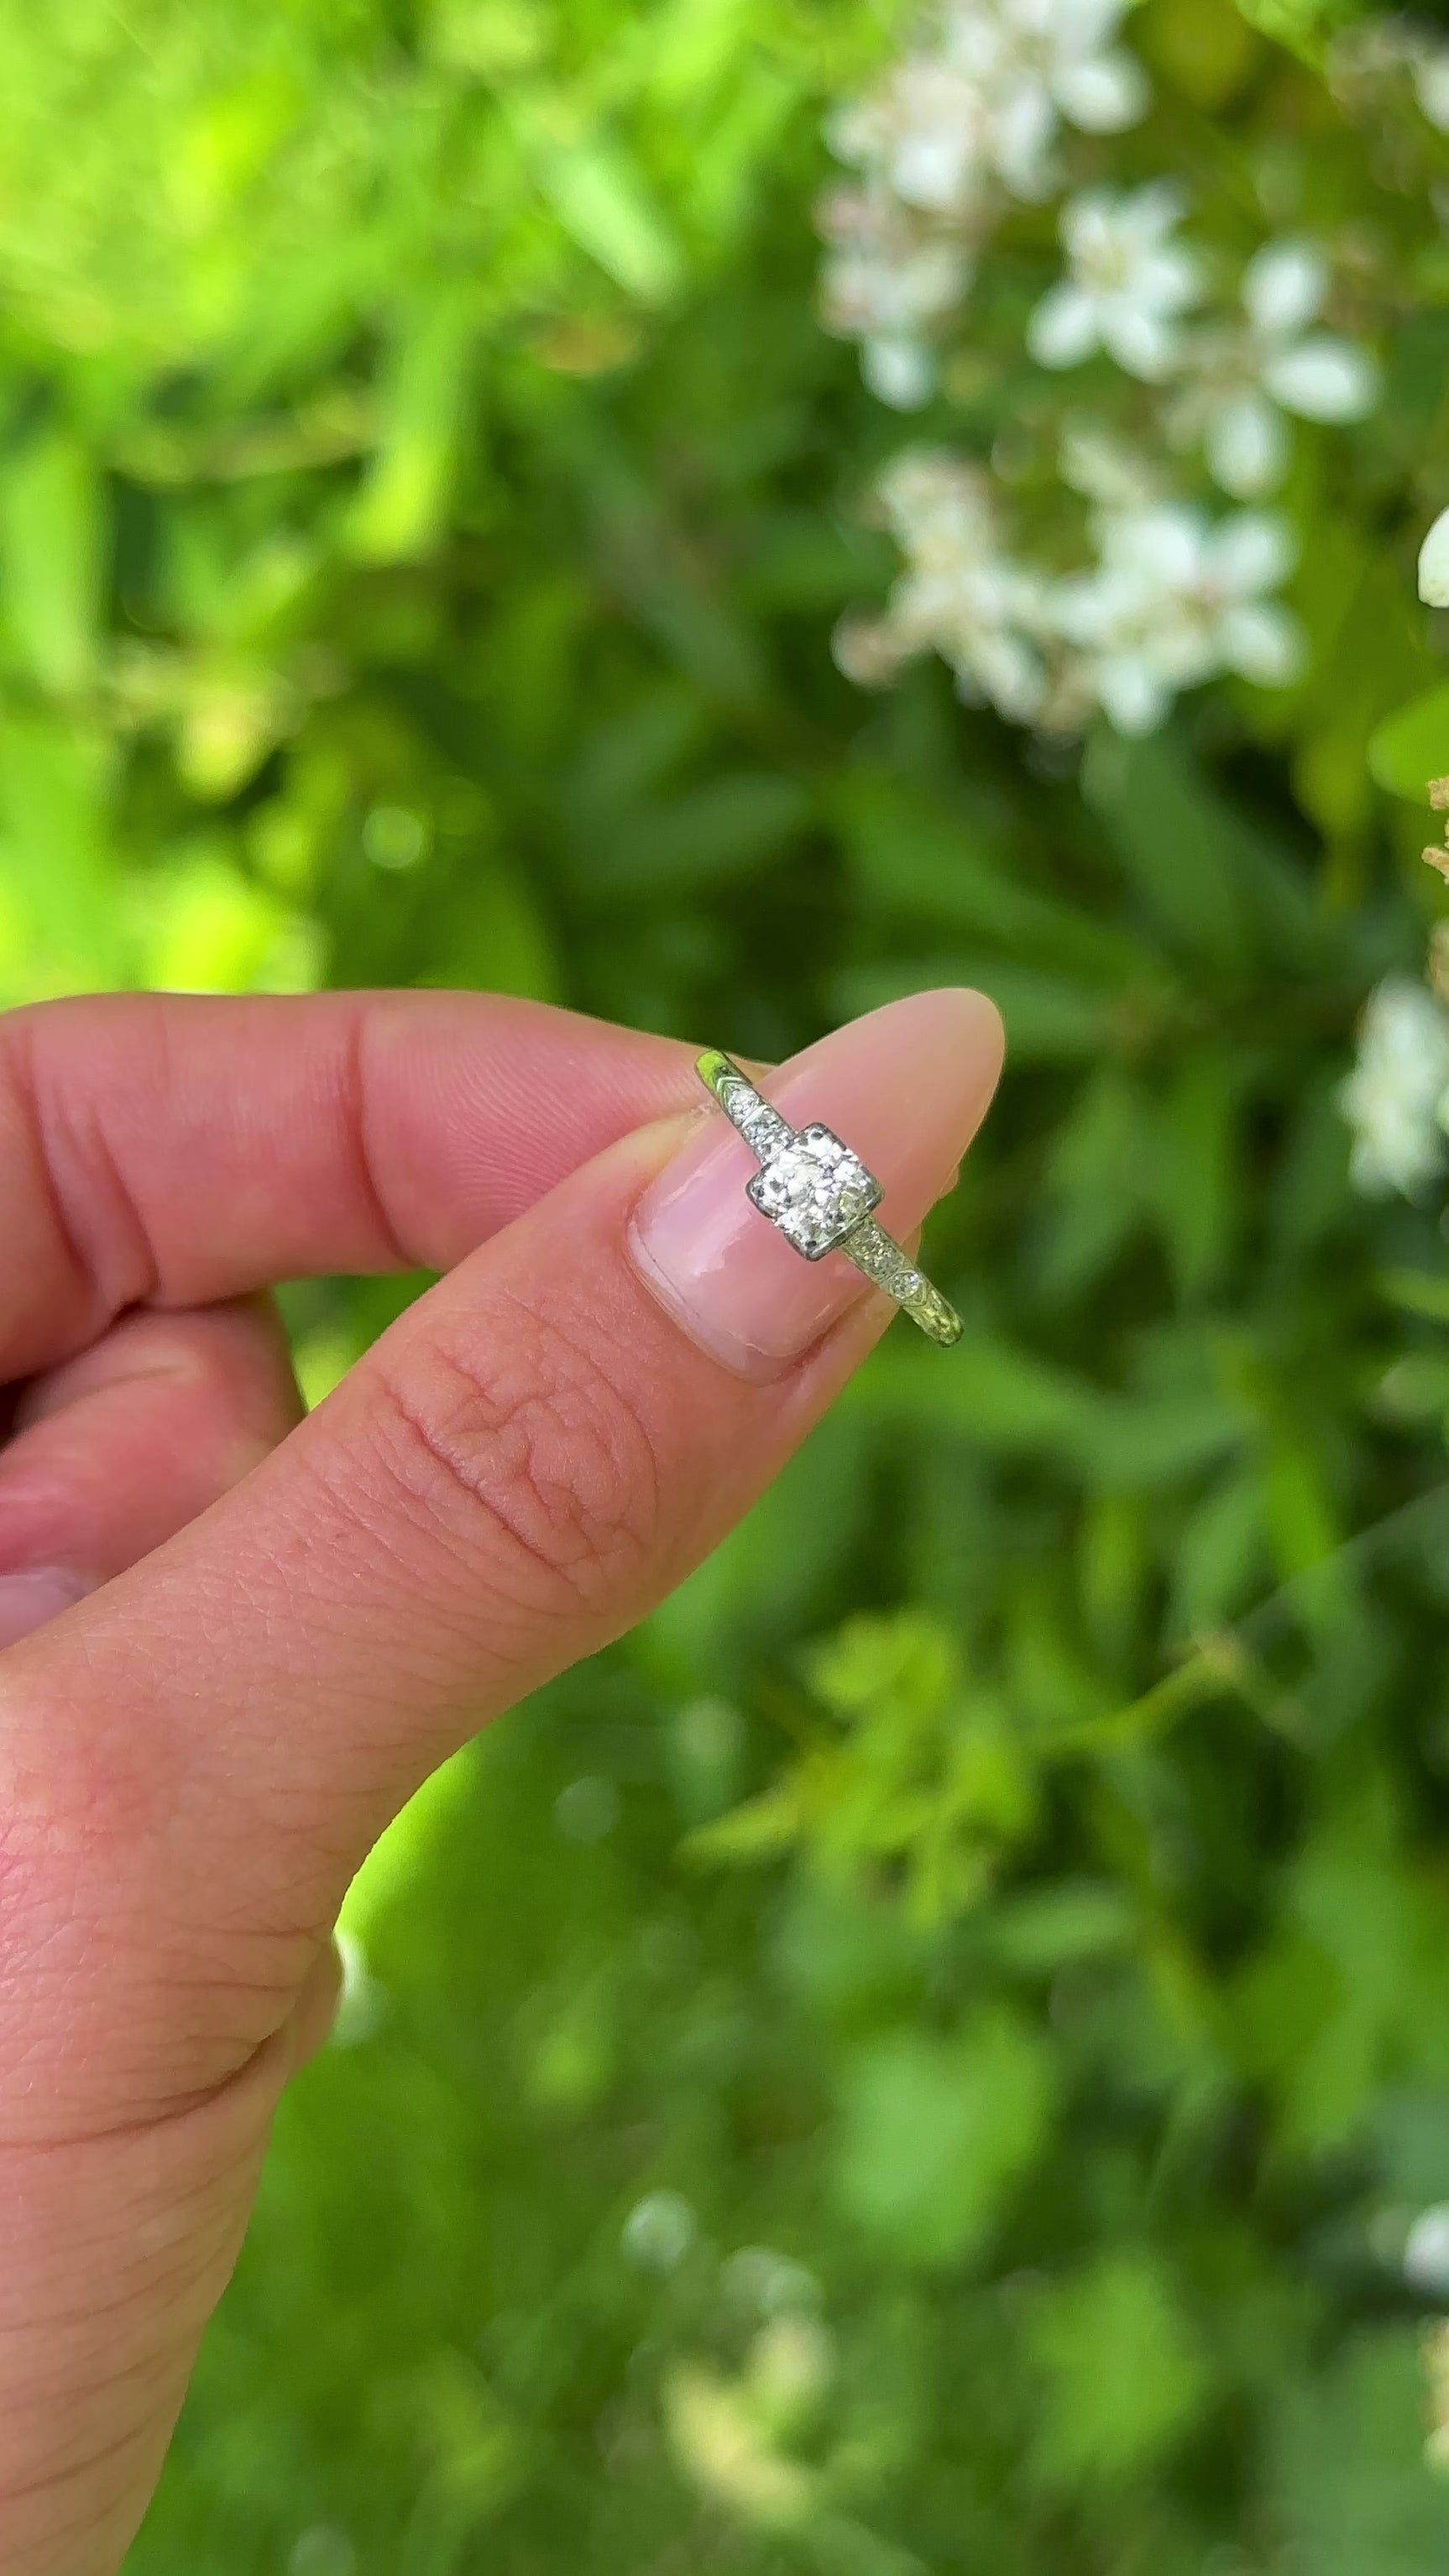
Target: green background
[[919, 2063]]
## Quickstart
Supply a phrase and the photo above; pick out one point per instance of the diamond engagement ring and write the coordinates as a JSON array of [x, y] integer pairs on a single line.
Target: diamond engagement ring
[[820, 1196]]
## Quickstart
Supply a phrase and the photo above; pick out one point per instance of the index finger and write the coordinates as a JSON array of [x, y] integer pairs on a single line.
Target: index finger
[[174, 1150]]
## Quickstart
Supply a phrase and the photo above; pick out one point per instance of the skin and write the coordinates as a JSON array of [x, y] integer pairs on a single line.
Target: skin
[[290, 1622]]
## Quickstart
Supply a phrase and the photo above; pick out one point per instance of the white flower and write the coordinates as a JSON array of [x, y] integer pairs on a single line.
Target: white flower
[[1426, 2252], [1030, 62], [983, 100], [1431, 82], [1243, 378], [659, 2231], [1395, 1099], [1366, 61], [920, 133], [1434, 564], [1127, 285], [888, 282], [960, 594], [1174, 601], [900, 373]]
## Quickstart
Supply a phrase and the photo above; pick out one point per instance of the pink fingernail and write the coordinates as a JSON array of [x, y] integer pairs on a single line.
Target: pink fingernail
[[907, 1087], [27, 1600]]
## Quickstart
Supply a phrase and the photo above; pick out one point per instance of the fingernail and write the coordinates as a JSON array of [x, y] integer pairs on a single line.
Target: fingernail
[[27, 1600], [907, 1087]]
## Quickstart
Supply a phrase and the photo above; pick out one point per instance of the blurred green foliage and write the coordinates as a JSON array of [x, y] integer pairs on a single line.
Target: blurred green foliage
[[924, 2060]]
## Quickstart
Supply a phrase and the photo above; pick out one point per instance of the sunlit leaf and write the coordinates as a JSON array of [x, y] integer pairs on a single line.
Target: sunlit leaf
[[936, 2133]]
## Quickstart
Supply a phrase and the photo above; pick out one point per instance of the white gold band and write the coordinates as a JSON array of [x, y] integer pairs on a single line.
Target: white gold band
[[820, 1196]]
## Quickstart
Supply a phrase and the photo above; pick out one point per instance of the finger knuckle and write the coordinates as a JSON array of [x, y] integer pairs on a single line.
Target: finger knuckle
[[533, 1457]]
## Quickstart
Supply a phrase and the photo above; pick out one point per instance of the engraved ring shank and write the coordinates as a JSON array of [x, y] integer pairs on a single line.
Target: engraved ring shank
[[857, 1235]]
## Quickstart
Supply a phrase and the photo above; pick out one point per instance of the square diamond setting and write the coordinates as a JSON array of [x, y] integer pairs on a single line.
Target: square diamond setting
[[815, 1190]]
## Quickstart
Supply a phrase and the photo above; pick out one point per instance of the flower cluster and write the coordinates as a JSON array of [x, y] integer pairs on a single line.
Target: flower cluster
[[1171, 599], [959, 595], [888, 283], [1198, 375], [955, 130], [1369, 62]]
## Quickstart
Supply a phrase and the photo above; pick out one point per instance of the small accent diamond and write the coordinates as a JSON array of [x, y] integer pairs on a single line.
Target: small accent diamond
[[815, 1190]]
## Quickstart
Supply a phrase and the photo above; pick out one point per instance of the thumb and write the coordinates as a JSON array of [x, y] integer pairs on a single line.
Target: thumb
[[194, 1760]]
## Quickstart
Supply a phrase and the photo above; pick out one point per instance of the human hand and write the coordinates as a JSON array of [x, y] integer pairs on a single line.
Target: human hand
[[237, 1640]]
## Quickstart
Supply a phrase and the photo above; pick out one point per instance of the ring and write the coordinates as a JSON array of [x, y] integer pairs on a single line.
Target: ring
[[819, 1195]]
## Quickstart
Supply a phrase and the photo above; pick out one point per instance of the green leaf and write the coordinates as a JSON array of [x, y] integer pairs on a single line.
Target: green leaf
[[494, 935], [205, 928], [914, 854], [1346, 2468], [1126, 2373], [67, 930], [934, 2134], [1050, 1019], [52, 559], [602, 201], [1303, 1527], [1137, 1443], [1189, 855], [1412, 746], [1040, 1933], [909, 1658], [725, 830], [1002, 1397], [404, 497], [1098, 1173], [1419, 1292], [1194, 1172], [1116, 1567], [762, 1829], [770, 1575], [385, 1880], [1222, 1556]]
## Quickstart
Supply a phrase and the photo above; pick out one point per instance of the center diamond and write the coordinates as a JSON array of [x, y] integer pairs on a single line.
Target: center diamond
[[815, 1190]]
